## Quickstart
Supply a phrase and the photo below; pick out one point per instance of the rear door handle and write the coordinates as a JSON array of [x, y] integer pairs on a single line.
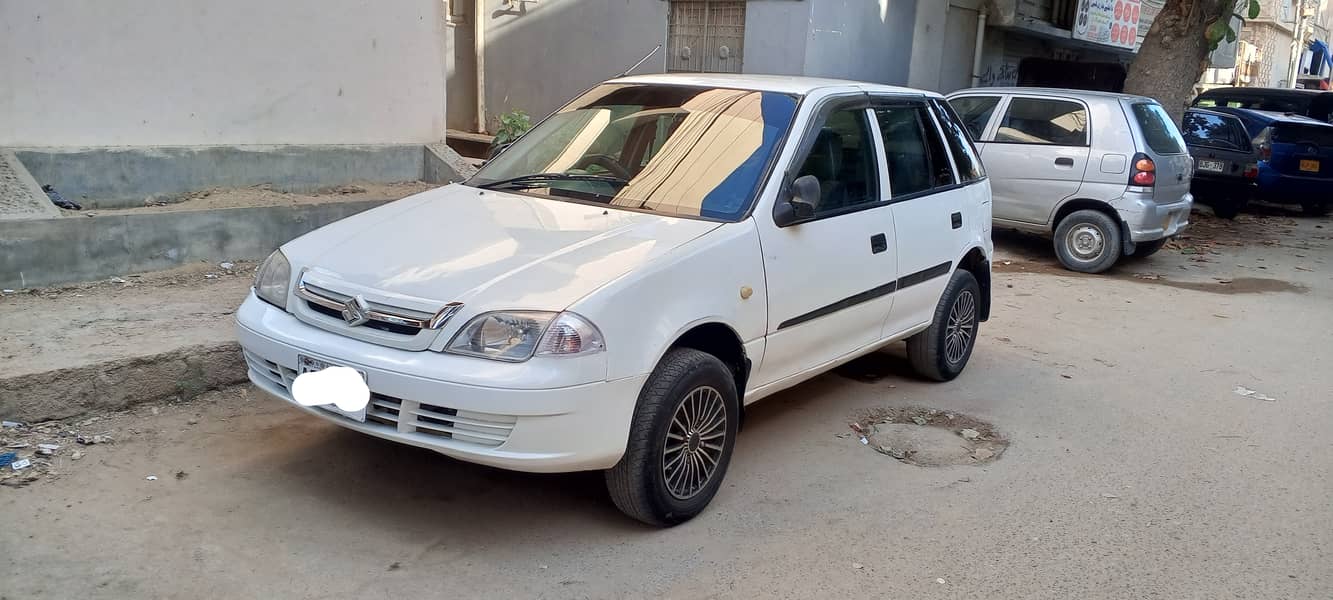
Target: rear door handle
[[878, 243], [956, 220], [1064, 161]]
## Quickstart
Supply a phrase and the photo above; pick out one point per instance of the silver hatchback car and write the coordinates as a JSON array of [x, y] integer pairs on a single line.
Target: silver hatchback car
[[1106, 175]]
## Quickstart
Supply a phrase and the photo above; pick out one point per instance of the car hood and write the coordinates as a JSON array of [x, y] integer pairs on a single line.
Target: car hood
[[489, 250]]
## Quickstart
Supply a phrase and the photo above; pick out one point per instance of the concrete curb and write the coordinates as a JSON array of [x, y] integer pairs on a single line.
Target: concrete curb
[[181, 374], [37, 252], [22, 190]]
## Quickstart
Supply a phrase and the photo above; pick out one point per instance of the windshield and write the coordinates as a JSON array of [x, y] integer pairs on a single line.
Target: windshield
[[676, 150]]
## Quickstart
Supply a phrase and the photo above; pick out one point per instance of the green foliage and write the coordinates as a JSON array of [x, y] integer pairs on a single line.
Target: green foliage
[[512, 125], [1221, 28]]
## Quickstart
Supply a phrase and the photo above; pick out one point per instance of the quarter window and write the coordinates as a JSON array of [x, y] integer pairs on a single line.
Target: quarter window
[[975, 111], [843, 161], [916, 156], [1044, 121], [964, 153]]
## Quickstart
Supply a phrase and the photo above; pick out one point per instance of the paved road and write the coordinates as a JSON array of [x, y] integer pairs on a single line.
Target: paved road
[[1135, 471]]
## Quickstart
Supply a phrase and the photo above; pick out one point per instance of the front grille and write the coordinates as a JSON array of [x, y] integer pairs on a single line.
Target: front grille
[[372, 324], [408, 416]]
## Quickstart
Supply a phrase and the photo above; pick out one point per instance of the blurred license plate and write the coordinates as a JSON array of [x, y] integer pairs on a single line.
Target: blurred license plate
[[306, 364], [1215, 166], [1310, 165]]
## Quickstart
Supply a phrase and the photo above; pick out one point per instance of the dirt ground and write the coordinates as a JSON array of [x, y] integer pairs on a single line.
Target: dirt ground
[[44, 329], [265, 195], [1167, 430]]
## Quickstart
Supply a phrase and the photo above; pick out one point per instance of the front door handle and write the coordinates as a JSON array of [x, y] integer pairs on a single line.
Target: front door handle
[[1064, 161], [878, 243]]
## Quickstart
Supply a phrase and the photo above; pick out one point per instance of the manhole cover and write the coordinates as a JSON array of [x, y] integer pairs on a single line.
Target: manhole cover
[[929, 437]]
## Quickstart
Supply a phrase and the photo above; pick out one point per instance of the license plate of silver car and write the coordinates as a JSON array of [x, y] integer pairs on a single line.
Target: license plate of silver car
[[307, 364]]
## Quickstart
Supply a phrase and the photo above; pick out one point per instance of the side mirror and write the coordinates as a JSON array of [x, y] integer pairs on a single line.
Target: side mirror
[[799, 206]]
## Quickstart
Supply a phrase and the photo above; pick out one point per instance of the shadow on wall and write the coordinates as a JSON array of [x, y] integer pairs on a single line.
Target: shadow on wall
[[539, 55]]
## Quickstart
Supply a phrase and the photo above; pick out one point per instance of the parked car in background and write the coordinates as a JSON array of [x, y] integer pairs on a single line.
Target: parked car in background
[[1295, 158], [1106, 175], [612, 289], [1226, 165], [1316, 104]]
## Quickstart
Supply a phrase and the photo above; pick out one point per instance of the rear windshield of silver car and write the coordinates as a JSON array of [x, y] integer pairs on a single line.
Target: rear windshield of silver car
[[674, 150], [1158, 131]]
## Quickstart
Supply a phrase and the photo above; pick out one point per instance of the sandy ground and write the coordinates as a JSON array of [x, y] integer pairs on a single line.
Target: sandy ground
[[45, 329], [1133, 470], [265, 195]]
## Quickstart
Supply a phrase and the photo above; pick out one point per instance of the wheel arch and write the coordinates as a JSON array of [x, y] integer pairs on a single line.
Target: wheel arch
[[722, 341], [976, 263], [1071, 206]]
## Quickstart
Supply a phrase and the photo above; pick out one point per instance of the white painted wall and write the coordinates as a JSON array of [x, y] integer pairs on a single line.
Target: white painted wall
[[203, 72]]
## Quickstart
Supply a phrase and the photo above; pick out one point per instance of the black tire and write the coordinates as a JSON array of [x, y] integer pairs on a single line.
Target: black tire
[[930, 351], [640, 484], [1228, 208], [1146, 249], [1096, 237], [1315, 209]]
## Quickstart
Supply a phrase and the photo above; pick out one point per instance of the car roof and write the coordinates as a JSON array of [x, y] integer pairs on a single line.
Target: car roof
[[1267, 116], [1066, 92], [1258, 92], [782, 84]]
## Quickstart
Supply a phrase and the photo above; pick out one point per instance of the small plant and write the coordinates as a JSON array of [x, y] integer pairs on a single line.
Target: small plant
[[512, 125]]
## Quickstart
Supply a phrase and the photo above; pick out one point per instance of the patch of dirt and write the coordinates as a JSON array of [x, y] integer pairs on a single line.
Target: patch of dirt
[[928, 437], [265, 195], [1239, 285], [51, 328], [1206, 232]]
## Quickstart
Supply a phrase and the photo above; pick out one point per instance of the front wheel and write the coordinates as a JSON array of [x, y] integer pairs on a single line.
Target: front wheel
[[1088, 241], [680, 440], [942, 350]]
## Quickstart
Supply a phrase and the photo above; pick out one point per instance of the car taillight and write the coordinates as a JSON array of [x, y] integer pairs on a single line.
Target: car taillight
[[1144, 172], [1251, 171]]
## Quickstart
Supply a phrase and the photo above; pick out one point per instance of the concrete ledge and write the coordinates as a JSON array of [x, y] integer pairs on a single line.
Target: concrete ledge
[[182, 374], [38, 252], [20, 195], [125, 177]]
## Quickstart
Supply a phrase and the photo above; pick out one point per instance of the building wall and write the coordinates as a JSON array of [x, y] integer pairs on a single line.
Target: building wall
[[776, 33], [539, 55], [866, 40], [202, 72], [943, 42]]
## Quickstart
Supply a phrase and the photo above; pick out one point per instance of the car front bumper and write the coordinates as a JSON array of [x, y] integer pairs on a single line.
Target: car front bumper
[[1148, 220], [571, 428]]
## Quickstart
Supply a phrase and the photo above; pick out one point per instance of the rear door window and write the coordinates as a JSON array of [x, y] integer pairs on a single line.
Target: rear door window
[[916, 156], [1044, 121], [1214, 131], [975, 111], [1158, 131]]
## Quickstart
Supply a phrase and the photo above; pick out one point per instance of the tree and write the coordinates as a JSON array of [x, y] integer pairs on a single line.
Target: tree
[[1175, 52]]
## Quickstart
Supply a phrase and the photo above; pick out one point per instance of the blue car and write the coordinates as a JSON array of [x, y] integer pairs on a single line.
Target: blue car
[[1295, 158]]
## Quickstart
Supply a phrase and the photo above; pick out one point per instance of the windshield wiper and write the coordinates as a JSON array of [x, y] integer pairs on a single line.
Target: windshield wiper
[[536, 179]]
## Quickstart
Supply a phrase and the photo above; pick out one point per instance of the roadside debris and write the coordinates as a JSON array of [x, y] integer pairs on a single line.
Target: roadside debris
[[20, 464], [150, 478], [11, 424], [927, 437], [8, 458], [1249, 393], [59, 200], [969, 434], [1110, 496], [227, 265]]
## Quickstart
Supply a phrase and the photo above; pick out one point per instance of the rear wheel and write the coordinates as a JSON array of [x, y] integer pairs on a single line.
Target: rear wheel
[[1228, 208], [680, 440], [1087, 241], [942, 350]]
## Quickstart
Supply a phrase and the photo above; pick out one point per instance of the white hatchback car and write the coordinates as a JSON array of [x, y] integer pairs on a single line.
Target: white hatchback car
[[610, 291]]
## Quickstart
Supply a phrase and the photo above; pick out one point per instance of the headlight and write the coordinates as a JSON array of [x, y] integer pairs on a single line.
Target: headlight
[[516, 336], [273, 278]]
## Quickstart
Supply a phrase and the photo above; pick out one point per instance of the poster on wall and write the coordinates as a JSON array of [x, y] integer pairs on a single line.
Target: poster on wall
[[1110, 22]]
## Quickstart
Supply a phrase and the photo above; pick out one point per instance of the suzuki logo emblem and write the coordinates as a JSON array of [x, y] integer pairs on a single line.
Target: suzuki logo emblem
[[356, 311]]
